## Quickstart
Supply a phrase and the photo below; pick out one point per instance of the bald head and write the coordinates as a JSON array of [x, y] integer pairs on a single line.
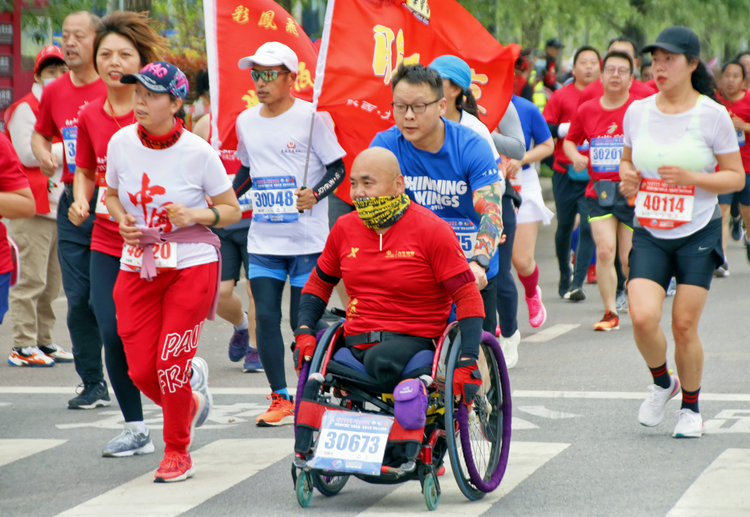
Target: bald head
[[375, 173]]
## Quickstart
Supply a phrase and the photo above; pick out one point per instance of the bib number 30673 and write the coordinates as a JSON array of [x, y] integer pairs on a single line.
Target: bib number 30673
[[663, 206], [165, 256]]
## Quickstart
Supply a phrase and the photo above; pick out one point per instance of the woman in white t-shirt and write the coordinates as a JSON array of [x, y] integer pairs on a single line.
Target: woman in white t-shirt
[[673, 142], [158, 177]]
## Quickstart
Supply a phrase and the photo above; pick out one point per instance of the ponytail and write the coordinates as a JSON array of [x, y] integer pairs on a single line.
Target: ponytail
[[468, 103], [702, 81]]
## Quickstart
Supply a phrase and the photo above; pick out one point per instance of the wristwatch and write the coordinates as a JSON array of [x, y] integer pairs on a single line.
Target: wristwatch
[[482, 260]]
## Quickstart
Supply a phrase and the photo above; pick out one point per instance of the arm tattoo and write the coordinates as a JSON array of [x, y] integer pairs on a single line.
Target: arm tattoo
[[488, 204]]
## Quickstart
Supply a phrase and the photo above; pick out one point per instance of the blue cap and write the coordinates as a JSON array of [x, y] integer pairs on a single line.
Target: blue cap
[[453, 68], [160, 77]]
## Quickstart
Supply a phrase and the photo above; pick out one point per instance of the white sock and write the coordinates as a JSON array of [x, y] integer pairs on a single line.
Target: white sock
[[243, 325], [138, 427]]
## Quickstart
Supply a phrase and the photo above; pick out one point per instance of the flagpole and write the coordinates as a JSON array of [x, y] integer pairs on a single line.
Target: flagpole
[[319, 76]]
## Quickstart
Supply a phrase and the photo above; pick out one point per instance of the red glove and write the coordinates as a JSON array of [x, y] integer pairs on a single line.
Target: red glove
[[466, 381], [305, 347]]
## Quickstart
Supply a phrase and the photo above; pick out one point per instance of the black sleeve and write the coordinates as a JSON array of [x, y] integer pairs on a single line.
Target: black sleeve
[[335, 173], [553, 129], [311, 309], [527, 93], [471, 334], [242, 181]]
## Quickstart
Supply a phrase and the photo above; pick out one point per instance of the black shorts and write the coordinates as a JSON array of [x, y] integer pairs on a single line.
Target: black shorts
[[691, 260], [743, 195], [233, 252], [620, 210]]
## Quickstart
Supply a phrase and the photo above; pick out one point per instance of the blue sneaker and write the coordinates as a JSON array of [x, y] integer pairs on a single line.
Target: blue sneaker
[[252, 361], [239, 345], [129, 443]]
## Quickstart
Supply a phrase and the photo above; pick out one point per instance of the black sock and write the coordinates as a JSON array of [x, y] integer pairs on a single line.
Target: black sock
[[661, 376], [690, 400]]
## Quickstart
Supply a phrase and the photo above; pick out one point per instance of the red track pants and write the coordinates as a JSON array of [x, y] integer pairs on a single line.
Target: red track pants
[[160, 324]]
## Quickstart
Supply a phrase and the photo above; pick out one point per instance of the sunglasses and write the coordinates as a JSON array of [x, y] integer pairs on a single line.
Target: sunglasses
[[266, 75]]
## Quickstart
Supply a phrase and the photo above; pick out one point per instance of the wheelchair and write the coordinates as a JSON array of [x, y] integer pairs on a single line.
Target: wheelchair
[[476, 439]]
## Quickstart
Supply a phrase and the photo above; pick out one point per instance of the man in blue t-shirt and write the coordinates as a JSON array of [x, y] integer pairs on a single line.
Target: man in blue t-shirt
[[449, 169]]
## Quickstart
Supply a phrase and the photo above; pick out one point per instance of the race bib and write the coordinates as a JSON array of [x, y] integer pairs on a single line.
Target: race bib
[[352, 442], [246, 202], [741, 137], [165, 256], [663, 206], [101, 204], [466, 231], [515, 183], [274, 200], [606, 154], [70, 136]]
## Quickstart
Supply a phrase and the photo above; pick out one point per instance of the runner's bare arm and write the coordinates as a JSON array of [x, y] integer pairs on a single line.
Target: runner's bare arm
[[571, 151], [226, 203], [536, 154], [17, 204], [729, 178], [41, 146], [629, 177], [129, 232], [83, 188], [488, 204]]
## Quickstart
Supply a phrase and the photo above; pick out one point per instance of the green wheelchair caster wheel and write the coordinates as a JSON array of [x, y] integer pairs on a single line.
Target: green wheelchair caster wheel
[[304, 489]]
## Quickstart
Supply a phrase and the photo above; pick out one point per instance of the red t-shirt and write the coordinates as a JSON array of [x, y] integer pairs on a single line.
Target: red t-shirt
[[651, 83], [740, 108], [603, 129], [11, 178], [58, 115], [561, 108], [95, 129], [396, 286], [638, 90]]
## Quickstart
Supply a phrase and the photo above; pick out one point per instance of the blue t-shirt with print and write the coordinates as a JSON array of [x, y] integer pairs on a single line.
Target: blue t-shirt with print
[[445, 181], [535, 128]]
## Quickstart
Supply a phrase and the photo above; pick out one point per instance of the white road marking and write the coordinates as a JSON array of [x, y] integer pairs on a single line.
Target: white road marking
[[550, 333], [219, 466], [741, 424], [721, 489], [54, 390], [524, 459], [14, 450], [546, 413], [520, 423]]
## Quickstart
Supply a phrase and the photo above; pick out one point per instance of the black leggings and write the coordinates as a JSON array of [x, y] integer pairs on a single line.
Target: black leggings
[[104, 271], [267, 295], [387, 360], [507, 292]]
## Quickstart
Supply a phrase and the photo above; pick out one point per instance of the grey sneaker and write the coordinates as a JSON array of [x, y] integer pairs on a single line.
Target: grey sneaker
[[621, 303], [200, 373], [93, 396], [129, 443]]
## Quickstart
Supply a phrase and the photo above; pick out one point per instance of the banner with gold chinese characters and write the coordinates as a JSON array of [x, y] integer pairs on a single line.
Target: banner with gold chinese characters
[[235, 29], [365, 41]]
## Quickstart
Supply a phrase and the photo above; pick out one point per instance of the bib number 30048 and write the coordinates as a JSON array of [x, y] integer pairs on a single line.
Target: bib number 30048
[[274, 200], [165, 256], [663, 207]]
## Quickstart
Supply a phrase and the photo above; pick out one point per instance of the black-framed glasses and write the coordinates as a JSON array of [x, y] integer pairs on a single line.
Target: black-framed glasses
[[266, 75], [400, 107]]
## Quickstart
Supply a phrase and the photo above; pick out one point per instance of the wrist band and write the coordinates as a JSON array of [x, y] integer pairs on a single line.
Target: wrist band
[[216, 214], [305, 331]]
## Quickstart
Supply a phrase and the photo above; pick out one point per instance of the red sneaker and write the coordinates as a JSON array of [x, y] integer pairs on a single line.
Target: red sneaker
[[281, 412], [591, 275], [176, 466]]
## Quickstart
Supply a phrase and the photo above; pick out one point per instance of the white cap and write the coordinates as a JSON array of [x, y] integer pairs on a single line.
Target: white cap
[[272, 53]]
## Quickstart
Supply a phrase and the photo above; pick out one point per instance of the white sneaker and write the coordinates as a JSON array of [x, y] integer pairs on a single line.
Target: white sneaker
[[689, 424], [509, 345], [653, 408]]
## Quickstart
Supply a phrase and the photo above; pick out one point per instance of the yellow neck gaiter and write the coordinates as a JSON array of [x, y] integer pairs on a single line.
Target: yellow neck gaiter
[[381, 212]]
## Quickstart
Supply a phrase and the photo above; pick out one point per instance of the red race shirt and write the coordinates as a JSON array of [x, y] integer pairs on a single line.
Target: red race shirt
[[58, 115], [603, 129], [561, 108], [95, 129], [740, 108], [11, 178], [638, 90], [396, 286]]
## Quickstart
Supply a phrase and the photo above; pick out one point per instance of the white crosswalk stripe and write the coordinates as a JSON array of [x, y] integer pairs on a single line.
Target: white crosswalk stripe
[[219, 466], [14, 450]]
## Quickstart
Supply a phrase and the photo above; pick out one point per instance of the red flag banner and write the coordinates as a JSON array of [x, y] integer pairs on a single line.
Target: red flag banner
[[365, 41], [235, 29]]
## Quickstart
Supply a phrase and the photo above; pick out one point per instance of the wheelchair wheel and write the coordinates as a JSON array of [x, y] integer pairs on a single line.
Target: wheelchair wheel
[[329, 486], [479, 439], [431, 492], [303, 489]]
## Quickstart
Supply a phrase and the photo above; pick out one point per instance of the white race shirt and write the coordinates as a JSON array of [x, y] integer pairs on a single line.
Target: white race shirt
[[472, 122], [275, 150], [148, 179]]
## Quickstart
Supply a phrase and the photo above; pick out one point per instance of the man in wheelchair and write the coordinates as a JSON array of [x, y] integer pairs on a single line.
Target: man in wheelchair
[[403, 268]]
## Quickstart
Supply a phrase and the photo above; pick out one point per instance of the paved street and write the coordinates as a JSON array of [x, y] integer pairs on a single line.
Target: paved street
[[577, 448]]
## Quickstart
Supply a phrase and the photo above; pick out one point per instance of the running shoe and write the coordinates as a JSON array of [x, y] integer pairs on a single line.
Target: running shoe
[[689, 424], [564, 285], [621, 303], [239, 344], [129, 443], [672, 289], [723, 270], [653, 408], [29, 356], [737, 228], [176, 466], [57, 353], [747, 248], [196, 410], [610, 321], [281, 412], [537, 312], [577, 294], [94, 395], [200, 374], [509, 346], [252, 361], [591, 274]]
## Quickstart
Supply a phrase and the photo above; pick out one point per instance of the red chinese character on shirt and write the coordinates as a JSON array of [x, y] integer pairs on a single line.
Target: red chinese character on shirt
[[159, 217]]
